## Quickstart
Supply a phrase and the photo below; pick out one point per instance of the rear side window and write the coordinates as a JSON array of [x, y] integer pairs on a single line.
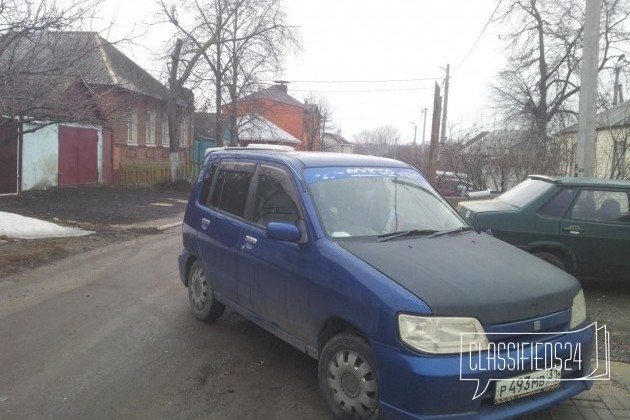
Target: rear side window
[[601, 206], [558, 205], [231, 187], [204, 194], [525, 192]]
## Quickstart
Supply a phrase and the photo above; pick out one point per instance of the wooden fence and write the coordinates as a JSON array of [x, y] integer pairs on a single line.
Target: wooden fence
[[148, 174]]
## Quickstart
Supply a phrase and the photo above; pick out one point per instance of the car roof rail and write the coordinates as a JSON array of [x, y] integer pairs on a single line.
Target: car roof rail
[[250, 147]]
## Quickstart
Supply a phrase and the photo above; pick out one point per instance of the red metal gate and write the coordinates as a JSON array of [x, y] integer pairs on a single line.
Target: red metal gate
[[78, 156], [9, 158]]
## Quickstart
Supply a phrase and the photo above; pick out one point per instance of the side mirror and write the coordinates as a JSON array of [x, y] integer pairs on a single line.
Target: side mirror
[[286, 232]]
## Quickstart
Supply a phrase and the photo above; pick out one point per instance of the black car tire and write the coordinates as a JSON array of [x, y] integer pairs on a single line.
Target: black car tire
[[551, 259], [201, 296], [348, 377]]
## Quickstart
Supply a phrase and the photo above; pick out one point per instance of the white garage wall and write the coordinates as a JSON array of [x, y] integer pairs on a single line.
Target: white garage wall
[[40, 157]]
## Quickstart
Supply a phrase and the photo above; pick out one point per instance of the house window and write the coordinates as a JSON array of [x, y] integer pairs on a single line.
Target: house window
[[165, 134], [132, 128], [150, 127]]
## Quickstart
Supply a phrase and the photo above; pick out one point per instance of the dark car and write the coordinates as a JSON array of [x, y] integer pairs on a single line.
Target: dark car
[[349, 258], [581, 225]]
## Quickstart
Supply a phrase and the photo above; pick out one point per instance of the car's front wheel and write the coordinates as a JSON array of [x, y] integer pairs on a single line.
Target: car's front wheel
[[348, 377], [200, 295]]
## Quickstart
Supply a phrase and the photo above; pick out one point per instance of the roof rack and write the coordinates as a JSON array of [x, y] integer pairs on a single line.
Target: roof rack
[[252, 146]]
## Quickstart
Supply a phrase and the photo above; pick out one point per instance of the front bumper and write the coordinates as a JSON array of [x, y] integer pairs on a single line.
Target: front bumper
[[416, 386]]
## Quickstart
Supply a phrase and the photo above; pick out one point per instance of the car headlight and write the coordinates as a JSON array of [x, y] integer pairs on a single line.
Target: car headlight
[[441, 335], [578, 310]]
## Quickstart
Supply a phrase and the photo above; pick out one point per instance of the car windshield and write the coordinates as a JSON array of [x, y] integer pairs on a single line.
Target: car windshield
[[355, 202], [525, 192]]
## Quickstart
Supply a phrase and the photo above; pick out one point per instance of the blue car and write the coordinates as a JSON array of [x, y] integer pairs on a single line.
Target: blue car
[[358, 262]]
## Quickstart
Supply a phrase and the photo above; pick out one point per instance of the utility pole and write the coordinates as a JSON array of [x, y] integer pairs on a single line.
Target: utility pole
[[415, 132], [617, 92], [587, 130], [424, 125], [445, 107], [233, 87], [435, 134]]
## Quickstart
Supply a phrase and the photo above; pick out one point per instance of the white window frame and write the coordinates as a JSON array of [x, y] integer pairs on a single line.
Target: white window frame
[[132, 128], [166, 138], [150, 128]]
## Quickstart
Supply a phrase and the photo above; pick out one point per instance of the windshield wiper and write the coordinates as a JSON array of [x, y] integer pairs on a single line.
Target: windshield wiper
[[446, 232], [405, 233]]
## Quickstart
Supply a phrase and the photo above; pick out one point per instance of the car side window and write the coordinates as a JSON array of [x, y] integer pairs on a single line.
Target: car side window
[[558, 205], [601, 206], [231, 187], [204, 194], [275, 199]]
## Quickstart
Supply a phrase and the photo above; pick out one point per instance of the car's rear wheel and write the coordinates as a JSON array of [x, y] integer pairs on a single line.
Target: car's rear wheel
[[200, 295], [552, 259], [348, 377]]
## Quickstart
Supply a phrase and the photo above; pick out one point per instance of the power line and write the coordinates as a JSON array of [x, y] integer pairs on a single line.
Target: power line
[[366, 81], [361, 91], [480, 35]]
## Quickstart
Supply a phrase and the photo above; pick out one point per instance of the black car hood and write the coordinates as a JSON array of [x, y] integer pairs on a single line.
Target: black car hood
[[471, 274]]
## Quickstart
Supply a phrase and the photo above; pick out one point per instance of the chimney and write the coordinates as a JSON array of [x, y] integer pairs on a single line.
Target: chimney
[[282, 85]]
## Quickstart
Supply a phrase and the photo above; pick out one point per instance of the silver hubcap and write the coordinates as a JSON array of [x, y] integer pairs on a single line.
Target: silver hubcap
[[198, 289], [353, 384]]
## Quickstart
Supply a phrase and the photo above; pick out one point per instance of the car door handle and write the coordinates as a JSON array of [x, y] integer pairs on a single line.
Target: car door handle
[[249, 243], [573, 229], [205, 223]]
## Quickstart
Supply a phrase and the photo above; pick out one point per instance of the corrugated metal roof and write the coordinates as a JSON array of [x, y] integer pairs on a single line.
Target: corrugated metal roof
[[83, 54], [259, 129], [276, 94], [617, 116]]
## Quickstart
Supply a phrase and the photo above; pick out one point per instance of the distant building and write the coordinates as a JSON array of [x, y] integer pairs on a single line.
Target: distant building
[[301, 121], [612, 155], [336, 143]]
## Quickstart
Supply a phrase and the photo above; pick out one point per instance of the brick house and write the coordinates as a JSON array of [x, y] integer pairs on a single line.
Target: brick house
[[129, 105], [301, 121], [612, 154]]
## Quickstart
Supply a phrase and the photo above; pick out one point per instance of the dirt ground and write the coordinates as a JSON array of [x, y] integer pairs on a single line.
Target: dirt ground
[[106, 210], [111, 212]]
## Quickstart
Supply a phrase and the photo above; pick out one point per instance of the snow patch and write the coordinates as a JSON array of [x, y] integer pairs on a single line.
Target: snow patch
[[22, 227]]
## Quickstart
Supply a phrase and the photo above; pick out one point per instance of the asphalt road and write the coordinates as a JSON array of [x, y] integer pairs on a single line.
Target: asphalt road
[[107, 334]]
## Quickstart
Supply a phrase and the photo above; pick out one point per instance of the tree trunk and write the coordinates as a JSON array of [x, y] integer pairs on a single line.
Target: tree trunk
[[173, 114]]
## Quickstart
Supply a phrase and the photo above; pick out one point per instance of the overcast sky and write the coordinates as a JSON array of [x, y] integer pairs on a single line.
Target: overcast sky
[[401, 46]]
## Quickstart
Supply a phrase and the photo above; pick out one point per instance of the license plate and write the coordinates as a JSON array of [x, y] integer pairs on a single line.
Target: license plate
[[527, 384]]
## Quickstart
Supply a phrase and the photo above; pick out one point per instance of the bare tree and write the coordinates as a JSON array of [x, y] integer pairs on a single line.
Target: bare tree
[[537, 91], [380, 141], [462, 157], [325, 113], [32, 85], [260, 39], [236, 42]]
